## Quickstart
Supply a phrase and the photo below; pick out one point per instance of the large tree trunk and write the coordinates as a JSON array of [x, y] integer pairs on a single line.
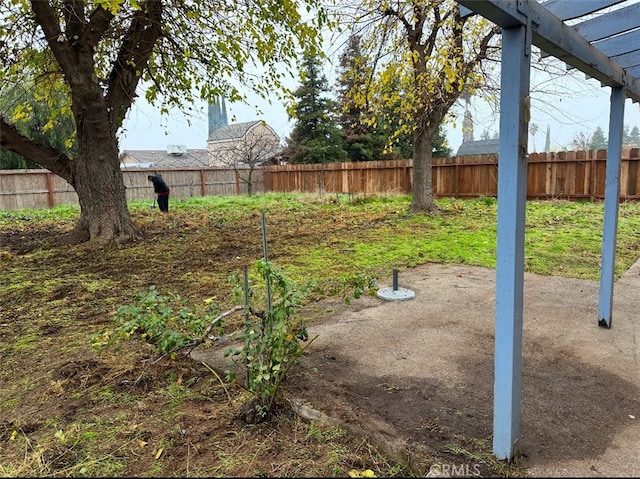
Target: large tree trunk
[[99, 107], [104, 215], [96, 175], [422, 200]]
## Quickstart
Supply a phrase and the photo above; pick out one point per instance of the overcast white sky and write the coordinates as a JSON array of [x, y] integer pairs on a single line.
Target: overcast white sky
[[584, 108], [146, 129]]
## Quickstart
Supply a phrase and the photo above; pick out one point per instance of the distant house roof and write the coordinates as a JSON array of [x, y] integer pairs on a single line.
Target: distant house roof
[[233, 131], [479, 147], [170, 158], [136, 165]]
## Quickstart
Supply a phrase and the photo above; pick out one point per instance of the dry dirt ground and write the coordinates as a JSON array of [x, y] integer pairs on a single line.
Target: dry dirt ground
[[417, 375]]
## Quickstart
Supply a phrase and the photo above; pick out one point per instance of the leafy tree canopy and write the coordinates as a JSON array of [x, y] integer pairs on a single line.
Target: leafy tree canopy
[[36, 121], [98, 54], [421, 55], [202, 48]]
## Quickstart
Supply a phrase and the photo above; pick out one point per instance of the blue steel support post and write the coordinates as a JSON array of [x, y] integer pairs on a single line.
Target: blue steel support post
[[512, 197], [611, 201]]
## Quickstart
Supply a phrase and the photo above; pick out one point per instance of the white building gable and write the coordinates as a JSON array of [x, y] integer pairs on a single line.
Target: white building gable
[[249, 143]]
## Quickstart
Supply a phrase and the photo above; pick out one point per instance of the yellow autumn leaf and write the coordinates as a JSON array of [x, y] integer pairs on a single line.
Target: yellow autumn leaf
[[21, 113], [365, 473]]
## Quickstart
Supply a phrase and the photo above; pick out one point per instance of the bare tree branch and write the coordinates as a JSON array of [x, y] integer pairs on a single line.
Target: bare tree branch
[[50, 158]]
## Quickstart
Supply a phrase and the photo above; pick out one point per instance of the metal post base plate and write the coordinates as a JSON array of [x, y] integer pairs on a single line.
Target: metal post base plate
[[400, 294]]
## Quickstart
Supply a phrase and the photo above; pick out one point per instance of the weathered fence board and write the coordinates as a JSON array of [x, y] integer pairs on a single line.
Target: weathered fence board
[[36, 189], [566, 175]]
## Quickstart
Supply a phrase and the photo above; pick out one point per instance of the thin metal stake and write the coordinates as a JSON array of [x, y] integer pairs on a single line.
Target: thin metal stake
[[264, 237], [266, 259], [247, 323], [395, 280]]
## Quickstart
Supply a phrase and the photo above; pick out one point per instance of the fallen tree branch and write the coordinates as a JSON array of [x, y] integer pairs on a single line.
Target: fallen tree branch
[[218, 319], [205, 335]]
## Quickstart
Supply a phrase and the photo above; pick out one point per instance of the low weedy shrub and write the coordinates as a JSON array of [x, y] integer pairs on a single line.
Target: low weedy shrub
[[155, 320], [272, 337]]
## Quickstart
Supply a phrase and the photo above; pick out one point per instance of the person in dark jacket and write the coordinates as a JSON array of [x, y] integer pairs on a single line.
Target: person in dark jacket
[[162, 190]]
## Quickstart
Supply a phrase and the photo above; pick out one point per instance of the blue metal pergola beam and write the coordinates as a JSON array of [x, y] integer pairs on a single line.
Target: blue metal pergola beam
[[512, 199], [620, 44], [635, 70], [627, 60], [526, 22], [618, 21], [558, 39], [568, 11], [611, 202]]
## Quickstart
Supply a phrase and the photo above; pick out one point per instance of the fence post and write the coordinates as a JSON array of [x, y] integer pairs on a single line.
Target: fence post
[[405, 179], [52, 199], [456, 175], [203, 189], [632, 158], [592, 183]]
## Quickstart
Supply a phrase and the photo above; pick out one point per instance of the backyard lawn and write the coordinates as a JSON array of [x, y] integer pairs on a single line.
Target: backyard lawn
[[71, 410]]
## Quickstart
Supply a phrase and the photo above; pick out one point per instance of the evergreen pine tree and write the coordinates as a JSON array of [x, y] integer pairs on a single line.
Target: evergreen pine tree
[[366, 139], [440, 148], [598, 140], [634, 137], [315, 137], [362, 142], [626, 139]]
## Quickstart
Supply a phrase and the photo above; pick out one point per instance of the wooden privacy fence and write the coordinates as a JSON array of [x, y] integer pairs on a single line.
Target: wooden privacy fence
[[567, 175], [36, 189]]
